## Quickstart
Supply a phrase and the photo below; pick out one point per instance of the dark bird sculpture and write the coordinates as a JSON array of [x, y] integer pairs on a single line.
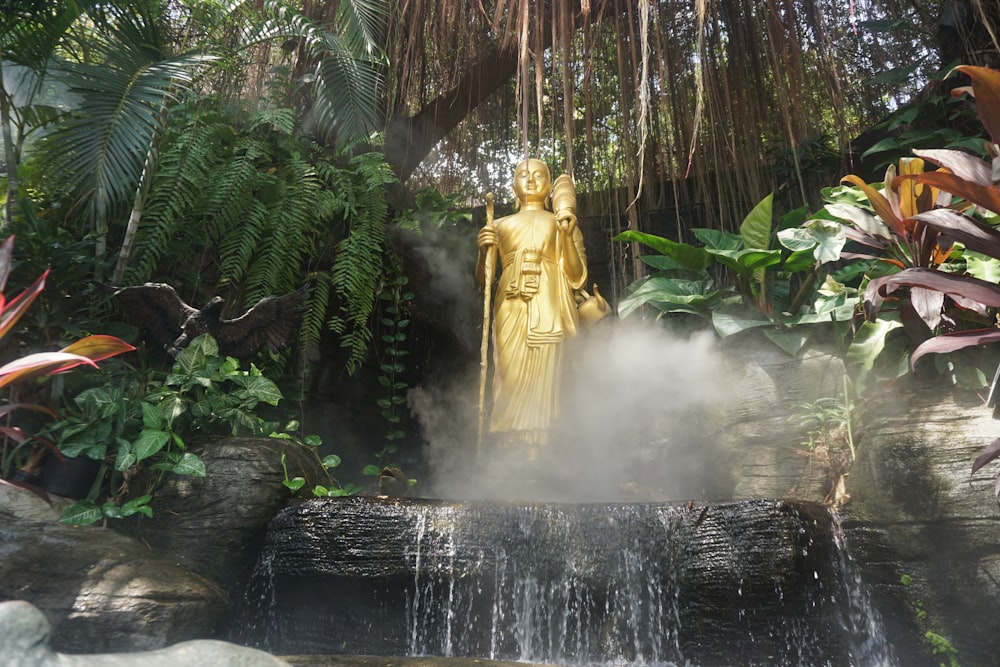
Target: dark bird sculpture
[[165, 321]]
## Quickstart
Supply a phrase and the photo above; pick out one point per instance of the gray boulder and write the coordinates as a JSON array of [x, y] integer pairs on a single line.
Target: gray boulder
[[214, 525], [917, 511], [101, 590], [25, 634]]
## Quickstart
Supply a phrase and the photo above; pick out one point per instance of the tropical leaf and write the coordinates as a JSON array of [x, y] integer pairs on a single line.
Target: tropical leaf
[[731, 321], [671, 295], [688, 256], [14, 309], [345, 81], [964, 229], [756, 227], [989, 453], [964, 166], [986, 84], [952, 342], [986, 196], [956, 286], [81, 513], [867, 345], [879, 203], [99, 148], [790, 341], [40, 363], [148, 443], [98, 347]]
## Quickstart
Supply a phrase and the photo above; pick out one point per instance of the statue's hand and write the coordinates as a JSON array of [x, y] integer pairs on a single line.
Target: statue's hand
[[566, 222], [487, 237]]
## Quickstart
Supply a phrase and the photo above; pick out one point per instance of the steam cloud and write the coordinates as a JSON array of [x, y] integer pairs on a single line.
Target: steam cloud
[[637, 408]]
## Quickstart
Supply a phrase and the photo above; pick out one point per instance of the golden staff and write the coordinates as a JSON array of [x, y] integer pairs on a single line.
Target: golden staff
[[488, 268]]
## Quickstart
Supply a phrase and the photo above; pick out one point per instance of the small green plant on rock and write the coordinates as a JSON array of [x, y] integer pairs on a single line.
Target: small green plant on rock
[[830, 438], [142, 427], [333, 488], [395, 320], [939, 644]]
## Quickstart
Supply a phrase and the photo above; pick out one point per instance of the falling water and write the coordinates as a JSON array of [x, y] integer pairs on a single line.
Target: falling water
[[869, 645], [750, 583]]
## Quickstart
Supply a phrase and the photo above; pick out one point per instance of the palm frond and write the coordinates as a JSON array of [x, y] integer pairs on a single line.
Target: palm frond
[[345, 80], [347, 93], [100, 147], [362, 24]]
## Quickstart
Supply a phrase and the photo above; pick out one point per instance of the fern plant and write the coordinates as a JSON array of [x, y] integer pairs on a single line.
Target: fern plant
[[280, 212], [358, 266]]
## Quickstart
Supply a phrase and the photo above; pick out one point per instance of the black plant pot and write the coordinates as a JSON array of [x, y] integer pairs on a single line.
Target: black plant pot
[[21, 477], [70, 477]]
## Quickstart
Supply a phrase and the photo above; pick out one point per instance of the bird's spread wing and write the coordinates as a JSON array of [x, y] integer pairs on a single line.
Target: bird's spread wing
[[273, 321], [157, 310]]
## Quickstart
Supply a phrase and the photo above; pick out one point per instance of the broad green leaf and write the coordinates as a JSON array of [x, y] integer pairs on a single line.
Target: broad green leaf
[[171, 407], [756, 227], [867, 345], [140, 504], [663, 263], [897, 75], [889, 144], [91, 450], [264, 390], [798, 262], [331, 461], [752, 259], [371, 470], [81, 513], [744, 261], [728, 322], [189, 464], [688, 256], [295, 483], [716, 239], [152, 418], [790, 341], [797, 238], [149, 442], [794, 218], [671, 295], [982, 267], [846, 195], [126, 456]]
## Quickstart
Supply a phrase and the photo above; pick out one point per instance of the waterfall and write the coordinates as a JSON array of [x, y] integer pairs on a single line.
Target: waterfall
[[748, 583]]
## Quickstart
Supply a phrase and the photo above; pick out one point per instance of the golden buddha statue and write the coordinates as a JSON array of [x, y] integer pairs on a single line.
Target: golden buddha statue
[[543, 269]]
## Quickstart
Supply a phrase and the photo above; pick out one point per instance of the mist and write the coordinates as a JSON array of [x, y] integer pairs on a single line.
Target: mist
[[637, 409]]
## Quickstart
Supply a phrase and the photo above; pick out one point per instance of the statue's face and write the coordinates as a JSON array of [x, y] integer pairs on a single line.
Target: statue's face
[[532, 181]]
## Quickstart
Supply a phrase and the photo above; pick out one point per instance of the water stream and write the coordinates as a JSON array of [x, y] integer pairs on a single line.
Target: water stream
[[749, 583]]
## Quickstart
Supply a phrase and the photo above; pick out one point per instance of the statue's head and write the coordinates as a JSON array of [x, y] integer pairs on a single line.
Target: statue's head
[[532, 181]]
